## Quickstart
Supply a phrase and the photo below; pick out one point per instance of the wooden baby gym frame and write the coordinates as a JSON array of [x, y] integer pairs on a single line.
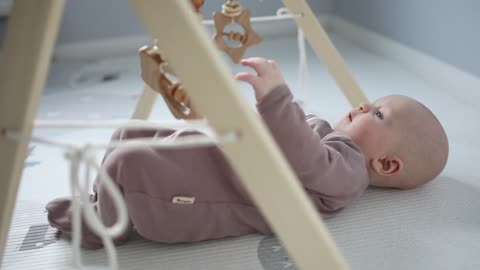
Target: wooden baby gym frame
[[29, 43]]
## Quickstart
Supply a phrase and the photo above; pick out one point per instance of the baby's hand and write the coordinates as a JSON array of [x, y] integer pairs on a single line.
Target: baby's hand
[[267, 78]]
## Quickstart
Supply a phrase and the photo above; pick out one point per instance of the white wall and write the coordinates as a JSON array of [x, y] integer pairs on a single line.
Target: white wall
[[86, 20], [445, 29]]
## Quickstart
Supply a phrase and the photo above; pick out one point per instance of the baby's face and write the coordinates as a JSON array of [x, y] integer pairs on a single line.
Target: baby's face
[[375, 127]]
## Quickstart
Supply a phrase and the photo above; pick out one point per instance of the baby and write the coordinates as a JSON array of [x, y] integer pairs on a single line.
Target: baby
[[193, 194], [403, 142]]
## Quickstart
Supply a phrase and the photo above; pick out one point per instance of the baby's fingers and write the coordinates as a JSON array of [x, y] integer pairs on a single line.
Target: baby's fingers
[[259, 64], [247, 77]]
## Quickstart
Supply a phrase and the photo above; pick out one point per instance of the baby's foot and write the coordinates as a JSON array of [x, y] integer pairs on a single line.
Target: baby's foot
[[60, 217]]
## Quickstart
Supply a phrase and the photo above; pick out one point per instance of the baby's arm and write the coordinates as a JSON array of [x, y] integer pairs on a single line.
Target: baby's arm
[[268, 76], [285, 119], [326, 167]]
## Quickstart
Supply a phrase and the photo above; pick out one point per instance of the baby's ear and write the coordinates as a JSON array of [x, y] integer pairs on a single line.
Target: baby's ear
[[387, 165]]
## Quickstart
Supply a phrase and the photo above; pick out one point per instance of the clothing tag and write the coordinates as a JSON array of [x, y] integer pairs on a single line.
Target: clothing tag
[[183, 200]]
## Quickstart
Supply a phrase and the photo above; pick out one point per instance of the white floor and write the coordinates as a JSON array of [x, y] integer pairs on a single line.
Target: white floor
[[433, 227]]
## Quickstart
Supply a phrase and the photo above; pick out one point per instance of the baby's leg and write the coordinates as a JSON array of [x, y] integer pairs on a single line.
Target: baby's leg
[[126, 167], [60, 212], [123, 134], [60, 217], [146, 177]]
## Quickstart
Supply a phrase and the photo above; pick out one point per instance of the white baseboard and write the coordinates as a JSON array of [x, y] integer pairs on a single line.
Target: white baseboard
[[126, 45], [458, 83]]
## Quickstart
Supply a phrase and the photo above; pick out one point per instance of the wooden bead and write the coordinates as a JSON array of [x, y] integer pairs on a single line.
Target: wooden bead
[[232, 9], [197, 4]]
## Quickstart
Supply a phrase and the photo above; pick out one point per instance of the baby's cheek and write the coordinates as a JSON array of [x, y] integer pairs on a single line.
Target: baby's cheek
[[367, 133]]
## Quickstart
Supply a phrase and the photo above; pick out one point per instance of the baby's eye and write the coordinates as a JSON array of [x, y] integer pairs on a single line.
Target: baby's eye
[[379, 114]]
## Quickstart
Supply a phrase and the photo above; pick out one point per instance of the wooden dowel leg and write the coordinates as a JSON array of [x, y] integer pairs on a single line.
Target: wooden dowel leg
[[326, 52], [145, 103], [29, 43]]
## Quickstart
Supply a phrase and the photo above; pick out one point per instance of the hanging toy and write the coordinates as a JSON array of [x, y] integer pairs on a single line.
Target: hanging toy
[[232, 13], [156, 73]]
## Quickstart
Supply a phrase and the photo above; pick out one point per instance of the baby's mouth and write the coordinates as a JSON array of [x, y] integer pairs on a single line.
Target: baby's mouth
[[350, 117]]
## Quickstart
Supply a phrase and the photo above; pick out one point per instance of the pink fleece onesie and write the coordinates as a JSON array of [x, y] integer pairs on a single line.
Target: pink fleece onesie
[[155, 182]]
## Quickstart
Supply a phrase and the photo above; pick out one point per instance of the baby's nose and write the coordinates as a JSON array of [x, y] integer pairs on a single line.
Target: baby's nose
[[364, 107]]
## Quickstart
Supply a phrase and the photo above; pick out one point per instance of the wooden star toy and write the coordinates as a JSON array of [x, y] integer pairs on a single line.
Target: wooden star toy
[[249, 38]]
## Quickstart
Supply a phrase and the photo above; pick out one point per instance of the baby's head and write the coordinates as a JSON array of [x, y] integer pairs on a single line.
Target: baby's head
[[404, 143]]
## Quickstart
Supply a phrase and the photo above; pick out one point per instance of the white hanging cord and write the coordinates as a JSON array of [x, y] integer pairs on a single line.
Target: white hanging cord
[[302, 63], [80, 195], [81, 203], [76, 214], [302, 55]]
